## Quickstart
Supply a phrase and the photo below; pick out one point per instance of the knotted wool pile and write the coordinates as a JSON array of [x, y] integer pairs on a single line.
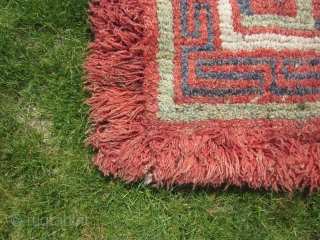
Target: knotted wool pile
[[206, 92]]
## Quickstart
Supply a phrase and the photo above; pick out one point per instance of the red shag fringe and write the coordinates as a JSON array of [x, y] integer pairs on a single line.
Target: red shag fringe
[[133, 144]]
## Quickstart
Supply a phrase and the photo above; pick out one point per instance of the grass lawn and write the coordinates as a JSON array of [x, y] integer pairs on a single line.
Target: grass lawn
[[49, 188]]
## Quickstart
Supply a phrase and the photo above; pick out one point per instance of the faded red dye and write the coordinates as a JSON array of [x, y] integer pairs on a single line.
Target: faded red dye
[[122, 77]]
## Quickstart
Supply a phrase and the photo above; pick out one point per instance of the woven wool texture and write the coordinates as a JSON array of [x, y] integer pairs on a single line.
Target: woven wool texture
[[206, 92]]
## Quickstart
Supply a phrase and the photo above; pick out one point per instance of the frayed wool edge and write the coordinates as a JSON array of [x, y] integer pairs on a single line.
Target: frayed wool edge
[[132, 146]]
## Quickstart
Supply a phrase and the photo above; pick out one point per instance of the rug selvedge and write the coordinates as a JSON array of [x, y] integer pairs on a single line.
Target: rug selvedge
[[182, 93]]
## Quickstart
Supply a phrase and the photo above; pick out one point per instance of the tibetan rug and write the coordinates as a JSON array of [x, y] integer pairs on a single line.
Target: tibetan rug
[[206, 92]]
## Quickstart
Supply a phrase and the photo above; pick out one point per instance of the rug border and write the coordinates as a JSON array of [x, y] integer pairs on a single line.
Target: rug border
[[133, 143]]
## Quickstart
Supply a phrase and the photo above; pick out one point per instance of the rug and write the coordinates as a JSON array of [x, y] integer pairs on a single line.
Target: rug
[[206, 92]]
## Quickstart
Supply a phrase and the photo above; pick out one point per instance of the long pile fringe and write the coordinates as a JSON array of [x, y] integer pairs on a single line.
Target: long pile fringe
[[133, 145]]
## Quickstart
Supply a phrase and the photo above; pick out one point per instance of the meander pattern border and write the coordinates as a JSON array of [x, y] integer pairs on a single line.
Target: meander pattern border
[[172, 112]]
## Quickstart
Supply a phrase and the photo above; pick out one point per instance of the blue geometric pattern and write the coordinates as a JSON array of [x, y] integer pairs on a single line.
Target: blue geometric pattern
[[245, 9], [256, 75]]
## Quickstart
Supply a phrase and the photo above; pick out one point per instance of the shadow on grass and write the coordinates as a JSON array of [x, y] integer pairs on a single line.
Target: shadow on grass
[[197, 190]]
